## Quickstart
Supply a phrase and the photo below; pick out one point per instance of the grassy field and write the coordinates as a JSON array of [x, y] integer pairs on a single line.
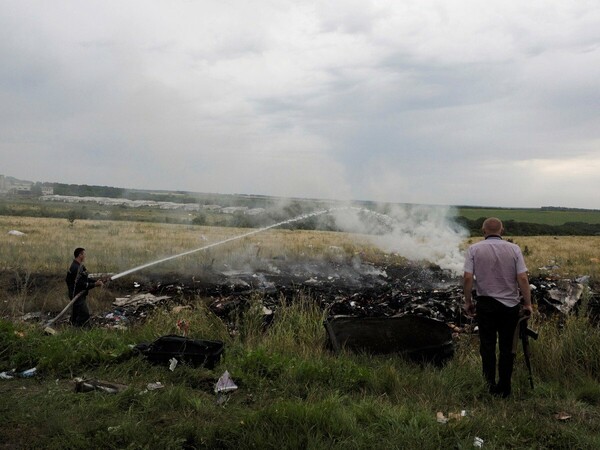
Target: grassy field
[[36, 208], [293, 392], [115, 246], [532, 215]]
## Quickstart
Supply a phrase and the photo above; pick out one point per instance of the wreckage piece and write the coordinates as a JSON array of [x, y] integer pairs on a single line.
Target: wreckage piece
[[139, 300], [88, 385], [567, 297], [416, 337], [554, 296], [195, 352]]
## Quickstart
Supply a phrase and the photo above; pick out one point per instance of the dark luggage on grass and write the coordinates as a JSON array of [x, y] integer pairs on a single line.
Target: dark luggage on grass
[[195, 352]]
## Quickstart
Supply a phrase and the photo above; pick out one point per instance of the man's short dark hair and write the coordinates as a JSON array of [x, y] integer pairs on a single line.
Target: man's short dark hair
[[78, 251]]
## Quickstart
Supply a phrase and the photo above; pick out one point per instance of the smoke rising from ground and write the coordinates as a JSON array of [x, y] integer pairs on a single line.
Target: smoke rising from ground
[[418, 233]]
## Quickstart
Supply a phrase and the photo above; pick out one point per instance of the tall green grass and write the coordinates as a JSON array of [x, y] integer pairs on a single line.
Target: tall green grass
[[293, 392]]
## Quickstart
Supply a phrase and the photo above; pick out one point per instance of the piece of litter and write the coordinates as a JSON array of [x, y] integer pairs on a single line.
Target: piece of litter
[[28, 373], [50, 331], [562, 416], [183, 326], [455, 416], [155, 386], [7, 375], [478, 442], [440, 417], [172, 364], [225, 384], [88, 385], [16, 233]]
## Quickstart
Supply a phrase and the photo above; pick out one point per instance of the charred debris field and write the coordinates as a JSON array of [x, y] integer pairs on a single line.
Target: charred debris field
[[266, 301]]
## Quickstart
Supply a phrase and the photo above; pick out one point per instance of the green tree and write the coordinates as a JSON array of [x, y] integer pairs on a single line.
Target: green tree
[[200, 219], [71, 217]]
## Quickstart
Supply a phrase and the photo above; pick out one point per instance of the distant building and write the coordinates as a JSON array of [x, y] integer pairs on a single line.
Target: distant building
[[47, 190], [234, 209], [212, 207], [21, 187]]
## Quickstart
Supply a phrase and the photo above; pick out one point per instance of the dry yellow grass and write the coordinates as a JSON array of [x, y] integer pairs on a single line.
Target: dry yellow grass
[[567, 256], [115, 246]]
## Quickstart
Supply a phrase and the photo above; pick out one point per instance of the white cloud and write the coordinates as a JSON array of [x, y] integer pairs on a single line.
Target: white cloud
[[328, 99]]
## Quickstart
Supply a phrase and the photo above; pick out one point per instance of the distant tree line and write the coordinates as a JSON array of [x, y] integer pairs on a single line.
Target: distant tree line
[[564, 208], [515, 228], [83, 190]]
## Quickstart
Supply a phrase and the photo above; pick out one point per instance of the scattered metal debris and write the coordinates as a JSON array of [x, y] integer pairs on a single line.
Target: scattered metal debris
[[441, 418], [10, 374], [224, 387], [225, 384], [88, 385], [139, 300], [155, 386], [562, 416], [32, 316]]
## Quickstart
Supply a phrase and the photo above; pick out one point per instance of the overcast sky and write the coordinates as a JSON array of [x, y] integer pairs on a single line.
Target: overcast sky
[[493, 103]]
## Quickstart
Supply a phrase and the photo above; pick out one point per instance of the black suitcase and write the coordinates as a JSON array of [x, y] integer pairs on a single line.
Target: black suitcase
[[195, 352]]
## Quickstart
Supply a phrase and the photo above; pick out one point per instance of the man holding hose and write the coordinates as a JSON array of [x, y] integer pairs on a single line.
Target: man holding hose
[[78, 280], [497, 270]]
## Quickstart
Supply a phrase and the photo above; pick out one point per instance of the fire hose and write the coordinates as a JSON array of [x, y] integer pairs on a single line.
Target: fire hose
[[66, 308]]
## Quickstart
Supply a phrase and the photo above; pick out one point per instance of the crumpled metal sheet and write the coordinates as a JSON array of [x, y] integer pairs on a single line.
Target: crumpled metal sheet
[[557, 295], [139, 300]]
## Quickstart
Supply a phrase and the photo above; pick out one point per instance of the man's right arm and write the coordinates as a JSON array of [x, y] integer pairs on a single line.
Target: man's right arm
[[468, 289]]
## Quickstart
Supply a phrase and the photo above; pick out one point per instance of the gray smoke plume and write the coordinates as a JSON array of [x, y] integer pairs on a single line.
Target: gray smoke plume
[[418, 233]]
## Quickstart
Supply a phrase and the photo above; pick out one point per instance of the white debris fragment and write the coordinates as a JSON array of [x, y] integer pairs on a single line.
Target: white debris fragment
[[139, 300], [225, 384], [16, 233], [172, 364], [155, 386], [478, 442]]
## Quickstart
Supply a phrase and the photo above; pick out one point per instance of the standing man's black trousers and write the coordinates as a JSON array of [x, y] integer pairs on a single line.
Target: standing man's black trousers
[[495, 319], [80, 314]]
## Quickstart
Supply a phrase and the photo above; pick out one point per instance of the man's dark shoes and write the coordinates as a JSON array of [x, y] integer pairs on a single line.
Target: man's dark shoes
[[499, 391]]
